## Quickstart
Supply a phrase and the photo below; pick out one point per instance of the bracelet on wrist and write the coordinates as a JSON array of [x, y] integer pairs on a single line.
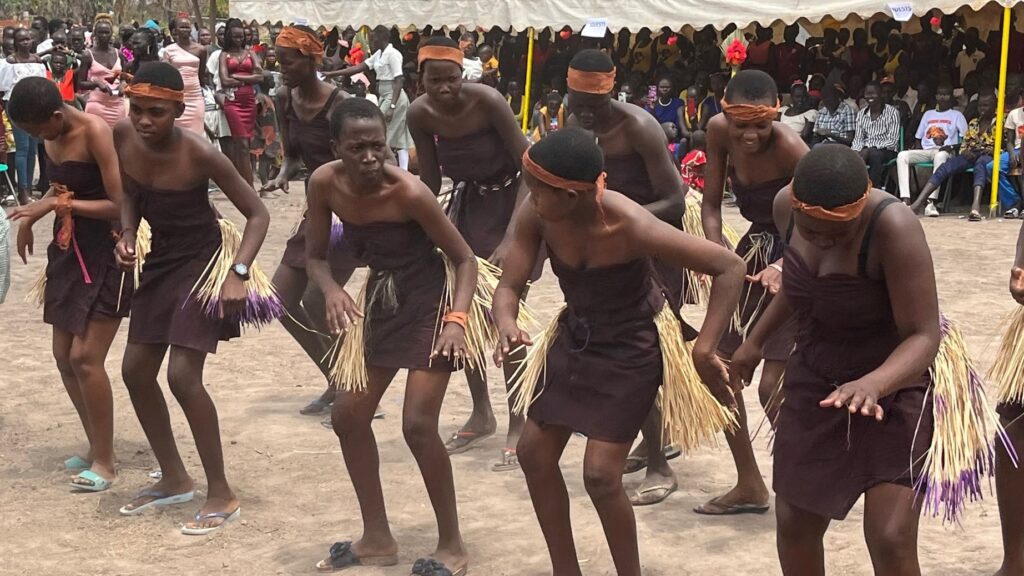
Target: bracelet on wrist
[[460, 318]]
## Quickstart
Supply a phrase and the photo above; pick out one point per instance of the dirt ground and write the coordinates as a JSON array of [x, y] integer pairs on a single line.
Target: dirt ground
[[297, 500]]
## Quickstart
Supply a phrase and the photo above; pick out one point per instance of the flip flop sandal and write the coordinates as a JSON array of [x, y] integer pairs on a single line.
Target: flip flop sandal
[[464, 440], [731, 510], [160, 499], [76, 463], [638, 463], [658, 495], [96, 483], [974, 216], [509, 461], [315, 408], [431, 567], [342, 556], [226, 516]]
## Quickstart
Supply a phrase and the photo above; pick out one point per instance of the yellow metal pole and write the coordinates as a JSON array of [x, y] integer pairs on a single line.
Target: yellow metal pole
[[529, 82], [1000, 109]]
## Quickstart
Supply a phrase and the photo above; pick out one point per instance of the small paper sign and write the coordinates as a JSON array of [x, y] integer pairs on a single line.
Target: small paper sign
[[902, 11], [595, 28], [301, 22]]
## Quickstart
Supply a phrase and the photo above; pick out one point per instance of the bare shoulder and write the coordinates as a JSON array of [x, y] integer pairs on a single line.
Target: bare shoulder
[[410, 187], [717, 127], [896, 220], [325, 175], [123, 131]]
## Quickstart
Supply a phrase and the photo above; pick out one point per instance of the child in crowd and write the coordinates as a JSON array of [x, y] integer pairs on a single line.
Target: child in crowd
[[692, 165], [265, 147]]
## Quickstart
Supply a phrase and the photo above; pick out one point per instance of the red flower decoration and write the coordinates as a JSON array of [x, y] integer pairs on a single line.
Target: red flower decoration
[[736, 53], [672, 40], [935, 21], [407, 37], [565, 34]]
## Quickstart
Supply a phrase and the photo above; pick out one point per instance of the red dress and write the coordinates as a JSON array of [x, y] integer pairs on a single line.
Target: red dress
[[241, 110]]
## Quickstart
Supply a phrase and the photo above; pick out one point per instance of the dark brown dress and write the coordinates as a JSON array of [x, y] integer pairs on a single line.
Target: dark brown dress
[[82, 281], [185, 238], [313, 142], [405, 284], [1011, 411], [486, 180], [604, 366], [826, 458], [755, 204], [628, 176]]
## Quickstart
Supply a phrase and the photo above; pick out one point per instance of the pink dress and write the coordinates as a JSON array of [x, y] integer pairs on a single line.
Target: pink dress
[[110, 107], [241, 109], [187, 64]]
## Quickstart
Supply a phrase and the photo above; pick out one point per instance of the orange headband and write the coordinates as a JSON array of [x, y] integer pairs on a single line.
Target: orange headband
[[591, 82], [147, 90], [446, 53], [307, 44], [750, 112], [550, 179], [844, 213]]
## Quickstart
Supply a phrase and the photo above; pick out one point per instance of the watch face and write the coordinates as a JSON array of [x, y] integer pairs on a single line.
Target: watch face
[[241, 269]]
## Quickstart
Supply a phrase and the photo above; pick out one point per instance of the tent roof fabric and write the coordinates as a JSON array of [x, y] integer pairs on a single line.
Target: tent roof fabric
[[522, 14]]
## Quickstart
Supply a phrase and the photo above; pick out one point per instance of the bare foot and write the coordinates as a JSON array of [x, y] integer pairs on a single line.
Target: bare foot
[[223, 506], [165, 487]]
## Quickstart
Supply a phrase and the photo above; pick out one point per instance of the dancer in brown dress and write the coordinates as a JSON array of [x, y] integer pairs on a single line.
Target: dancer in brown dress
[[1009, 476], [304, 107], [604, 368], [167, 171], [81, 298], [395, 225], [860, 284], [468, 132], [634, 145], [761, 155]]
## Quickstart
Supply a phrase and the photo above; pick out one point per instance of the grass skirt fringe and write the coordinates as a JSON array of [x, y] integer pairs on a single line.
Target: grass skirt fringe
[[698, 286], [962, 450], [262, 304], [690, 413], [347, 356], [1008, 369], [37, 293]]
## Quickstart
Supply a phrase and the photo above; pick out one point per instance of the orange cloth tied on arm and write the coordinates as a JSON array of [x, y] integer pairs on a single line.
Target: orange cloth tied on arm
[[446, 53], [591, 82], [750, 112], [63, 212], [146, 90], [844, 213], [301, 40]]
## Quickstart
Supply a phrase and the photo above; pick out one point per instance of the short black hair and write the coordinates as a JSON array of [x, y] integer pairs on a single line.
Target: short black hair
[[569, 153], [440, 41], [751, 87], [830, 176], [33, 101], [159, 74], [55, 25], [591, 60], [354, 109], [945, 86]]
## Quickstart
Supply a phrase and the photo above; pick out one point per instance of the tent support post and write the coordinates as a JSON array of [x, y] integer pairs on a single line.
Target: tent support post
[[526, 108], [1000, 110]]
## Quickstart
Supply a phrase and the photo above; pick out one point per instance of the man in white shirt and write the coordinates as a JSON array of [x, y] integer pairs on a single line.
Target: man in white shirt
[[387, 61], [472, 67], [940, 131]]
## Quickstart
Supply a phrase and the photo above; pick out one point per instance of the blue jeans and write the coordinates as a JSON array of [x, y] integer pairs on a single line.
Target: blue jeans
[[958, 165], [26, 148], [1008, 196]]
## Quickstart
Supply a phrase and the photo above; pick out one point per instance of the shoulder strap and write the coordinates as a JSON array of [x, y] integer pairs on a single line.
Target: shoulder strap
[[789, 228], [331, 98], [865, 243]]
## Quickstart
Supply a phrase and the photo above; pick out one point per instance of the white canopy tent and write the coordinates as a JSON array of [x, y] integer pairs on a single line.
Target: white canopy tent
[[523, 14]]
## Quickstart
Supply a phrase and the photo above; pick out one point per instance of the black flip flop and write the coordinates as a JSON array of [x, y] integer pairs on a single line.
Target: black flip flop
[[342, 556], [731, 510], [316, 408], [431, 567], [638, 463]]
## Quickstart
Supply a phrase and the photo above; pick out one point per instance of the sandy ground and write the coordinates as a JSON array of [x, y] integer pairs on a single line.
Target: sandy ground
[[296, 497]]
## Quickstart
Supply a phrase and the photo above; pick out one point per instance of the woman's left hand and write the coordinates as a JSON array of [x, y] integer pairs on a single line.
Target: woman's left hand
[[32, 211], [451, 343], [232, 296], [859, 397], [770, 278], [714, 375]]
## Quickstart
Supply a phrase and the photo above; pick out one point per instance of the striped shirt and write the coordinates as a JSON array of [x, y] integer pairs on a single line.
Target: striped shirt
[[5, 256], [842, 122], [882, 132]]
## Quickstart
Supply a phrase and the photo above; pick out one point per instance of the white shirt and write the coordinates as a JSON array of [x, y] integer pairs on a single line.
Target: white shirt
[[472, 69], [372, 98], [11, 74], [799, 122], [950, 124], [967, 63], [1015, 126], [387, 63], [213, 67], [44, 46]]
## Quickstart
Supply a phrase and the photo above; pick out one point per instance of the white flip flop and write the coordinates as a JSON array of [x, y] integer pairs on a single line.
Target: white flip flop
[[162, 501], [227, 516]]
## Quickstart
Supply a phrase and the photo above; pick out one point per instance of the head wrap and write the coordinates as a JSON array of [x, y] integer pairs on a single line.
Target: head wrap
[[591, 82], [152, 25], [147, 90], [750, 112], [446, 53], [844, 213], [305, 42], [103, 17], [538, 172]]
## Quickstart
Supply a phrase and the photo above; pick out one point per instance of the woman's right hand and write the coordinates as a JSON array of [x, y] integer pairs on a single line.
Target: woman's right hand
[[1017, 284], [25, 241], [744, 361], [279, 183], [124, 252], [342, 312], [510, 338]]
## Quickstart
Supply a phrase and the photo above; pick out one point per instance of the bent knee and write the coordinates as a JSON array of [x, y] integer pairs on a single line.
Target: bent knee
[[893, 544], [602, 482], [419, 431]]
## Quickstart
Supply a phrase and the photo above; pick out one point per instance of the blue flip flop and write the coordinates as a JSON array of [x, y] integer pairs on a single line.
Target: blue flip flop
[[97, 483], [225, 516], [159, 499], [77, 463]]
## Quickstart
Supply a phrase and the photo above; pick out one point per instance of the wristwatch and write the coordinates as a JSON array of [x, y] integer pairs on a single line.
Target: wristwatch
[[241, 270]]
